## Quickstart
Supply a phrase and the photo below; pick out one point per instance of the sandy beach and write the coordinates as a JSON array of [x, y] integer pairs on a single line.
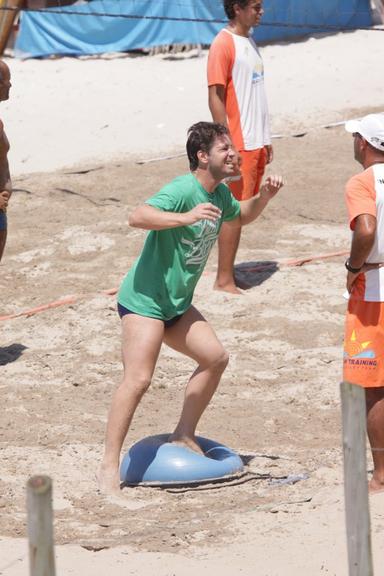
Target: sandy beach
[[67, 111], [77, 129]]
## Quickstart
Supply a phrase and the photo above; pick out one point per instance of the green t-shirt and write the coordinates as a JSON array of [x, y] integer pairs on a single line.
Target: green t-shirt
[[161, 282]]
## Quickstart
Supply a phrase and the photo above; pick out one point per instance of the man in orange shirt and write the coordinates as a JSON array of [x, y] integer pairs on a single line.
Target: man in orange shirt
[[237, 99], [364, 328]]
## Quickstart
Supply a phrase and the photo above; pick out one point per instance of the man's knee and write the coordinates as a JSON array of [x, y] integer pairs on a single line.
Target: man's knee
[[221, 360], [137, 384]]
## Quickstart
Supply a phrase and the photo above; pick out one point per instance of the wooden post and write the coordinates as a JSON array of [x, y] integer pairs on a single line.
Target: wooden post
[[355, 480], [7, 18], [40, 526]]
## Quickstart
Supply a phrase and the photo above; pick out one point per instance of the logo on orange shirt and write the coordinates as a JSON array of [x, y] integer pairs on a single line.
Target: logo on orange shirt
[[358, 353], [356, 349]]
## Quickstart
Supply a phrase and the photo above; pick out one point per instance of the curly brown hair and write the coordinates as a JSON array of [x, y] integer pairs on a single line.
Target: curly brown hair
[[201, 136]]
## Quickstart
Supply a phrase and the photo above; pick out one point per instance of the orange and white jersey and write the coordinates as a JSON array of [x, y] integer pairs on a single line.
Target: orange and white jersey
[[365, 195], [234, 62]]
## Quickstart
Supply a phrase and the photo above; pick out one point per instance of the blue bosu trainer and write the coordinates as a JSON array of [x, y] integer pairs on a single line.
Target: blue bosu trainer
[[155, 462]]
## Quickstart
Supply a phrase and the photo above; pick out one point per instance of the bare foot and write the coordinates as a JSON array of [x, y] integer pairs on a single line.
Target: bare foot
[[375, 486], [187, 442], [109, 481], [229, 287]]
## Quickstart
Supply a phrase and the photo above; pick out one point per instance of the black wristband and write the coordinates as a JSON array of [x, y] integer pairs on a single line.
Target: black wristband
[[351, 269]]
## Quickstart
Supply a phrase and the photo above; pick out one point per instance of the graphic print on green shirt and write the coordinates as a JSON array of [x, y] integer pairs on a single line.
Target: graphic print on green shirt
[[161, 282]]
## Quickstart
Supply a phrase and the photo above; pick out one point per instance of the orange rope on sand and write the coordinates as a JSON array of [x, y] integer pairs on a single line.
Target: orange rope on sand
[[32, 311], [110, 292], [55, 304], [301, 261], [296, 261], [113, 291]]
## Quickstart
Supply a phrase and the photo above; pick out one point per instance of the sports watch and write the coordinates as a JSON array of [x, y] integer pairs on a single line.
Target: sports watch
[[350, 268]]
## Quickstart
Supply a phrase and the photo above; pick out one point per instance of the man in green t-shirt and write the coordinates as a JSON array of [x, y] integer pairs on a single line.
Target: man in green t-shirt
[[154, 301]]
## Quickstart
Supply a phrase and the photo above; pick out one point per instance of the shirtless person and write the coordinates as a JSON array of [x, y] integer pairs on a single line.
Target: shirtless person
[[5, 179], [155, 298]]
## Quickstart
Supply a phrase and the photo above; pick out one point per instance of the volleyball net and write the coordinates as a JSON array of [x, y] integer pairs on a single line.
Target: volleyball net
[[98, 26]]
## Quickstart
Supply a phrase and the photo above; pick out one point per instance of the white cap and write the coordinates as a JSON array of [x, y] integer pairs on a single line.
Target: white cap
[[371, 128]]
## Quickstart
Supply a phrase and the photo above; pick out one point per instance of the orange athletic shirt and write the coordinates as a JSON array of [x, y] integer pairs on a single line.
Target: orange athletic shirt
[[364, 194], [234, 62]]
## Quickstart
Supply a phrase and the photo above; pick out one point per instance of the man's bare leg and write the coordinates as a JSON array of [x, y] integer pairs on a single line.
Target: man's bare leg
[[194, 337], [228, 244], [141, 342], [375, 429], [3, 239]]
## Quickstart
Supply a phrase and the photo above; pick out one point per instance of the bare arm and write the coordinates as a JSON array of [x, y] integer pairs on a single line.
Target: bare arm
[[6, 189], [269, 149], [149, 218], [251, 209], [5, 178], [362, 241], [216, 102]]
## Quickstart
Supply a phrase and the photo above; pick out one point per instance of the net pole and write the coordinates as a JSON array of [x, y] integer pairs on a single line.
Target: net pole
[[7, 19]]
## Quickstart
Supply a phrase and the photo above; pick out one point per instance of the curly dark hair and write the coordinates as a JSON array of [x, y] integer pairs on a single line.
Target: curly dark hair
[[201, 136], [229, 4]]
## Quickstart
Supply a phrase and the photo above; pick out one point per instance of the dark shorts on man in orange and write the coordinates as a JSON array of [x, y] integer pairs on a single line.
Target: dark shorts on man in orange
[[364, 344], [252, 170]]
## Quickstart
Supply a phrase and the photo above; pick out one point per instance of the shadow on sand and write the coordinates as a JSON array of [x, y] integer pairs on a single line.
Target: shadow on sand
[[252, 274], [11, 353]]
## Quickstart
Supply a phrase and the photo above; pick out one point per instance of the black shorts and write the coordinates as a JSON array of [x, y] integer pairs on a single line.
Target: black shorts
[[122, 310], [3, 220]]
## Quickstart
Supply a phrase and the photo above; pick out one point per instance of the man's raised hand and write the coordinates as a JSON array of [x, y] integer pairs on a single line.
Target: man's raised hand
[[271, 186], [205, 211]]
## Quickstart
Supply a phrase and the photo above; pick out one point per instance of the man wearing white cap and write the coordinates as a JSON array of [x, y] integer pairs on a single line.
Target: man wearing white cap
[[364, 328]]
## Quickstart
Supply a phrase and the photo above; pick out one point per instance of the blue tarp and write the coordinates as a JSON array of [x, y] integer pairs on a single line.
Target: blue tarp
[[122, 25]]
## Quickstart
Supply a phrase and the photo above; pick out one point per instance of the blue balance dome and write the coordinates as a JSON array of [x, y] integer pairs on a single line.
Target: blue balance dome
[[154, 461]]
